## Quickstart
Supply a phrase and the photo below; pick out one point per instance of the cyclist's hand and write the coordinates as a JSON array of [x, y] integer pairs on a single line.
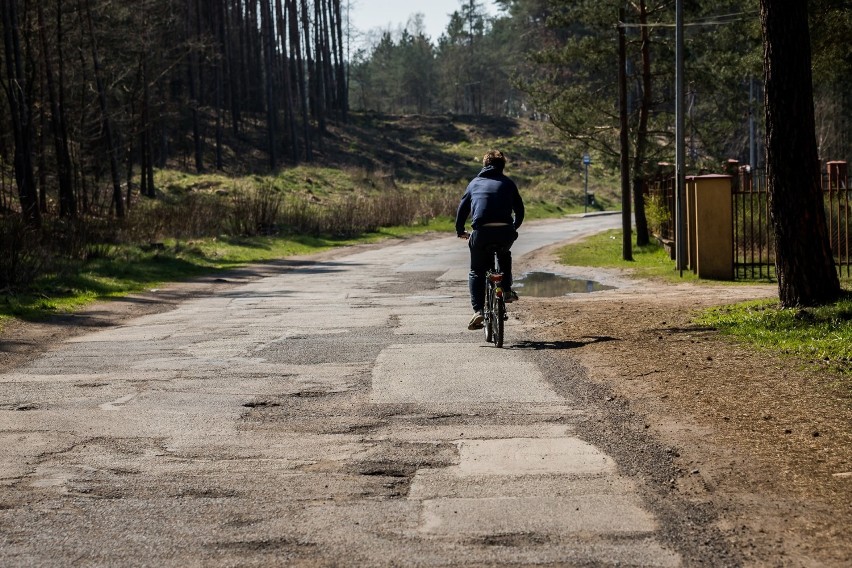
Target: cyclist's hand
[[464, 235]]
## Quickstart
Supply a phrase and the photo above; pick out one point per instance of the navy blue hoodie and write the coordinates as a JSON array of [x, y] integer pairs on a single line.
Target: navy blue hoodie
[[490, 197]]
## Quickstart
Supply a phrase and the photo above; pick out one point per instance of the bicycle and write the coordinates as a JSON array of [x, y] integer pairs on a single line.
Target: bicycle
[[494, 310]]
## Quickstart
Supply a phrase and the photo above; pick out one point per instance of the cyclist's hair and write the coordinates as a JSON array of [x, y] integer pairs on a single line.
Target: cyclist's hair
[[494, 158]]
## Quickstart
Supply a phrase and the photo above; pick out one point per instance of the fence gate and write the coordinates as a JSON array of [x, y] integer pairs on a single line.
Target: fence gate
[[754, 241]]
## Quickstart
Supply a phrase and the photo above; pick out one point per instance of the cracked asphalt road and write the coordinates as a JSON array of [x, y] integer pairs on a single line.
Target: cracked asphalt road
[[336, 414]]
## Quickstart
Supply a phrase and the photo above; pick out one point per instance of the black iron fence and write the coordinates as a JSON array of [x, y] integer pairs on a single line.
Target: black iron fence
[[660, 203], [754, 240], [753, 237], [836, 191]]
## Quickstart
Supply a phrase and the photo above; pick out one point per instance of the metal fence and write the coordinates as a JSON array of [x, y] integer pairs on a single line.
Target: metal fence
[[753, 237], [754, 240], [835, 187], [661, 191]]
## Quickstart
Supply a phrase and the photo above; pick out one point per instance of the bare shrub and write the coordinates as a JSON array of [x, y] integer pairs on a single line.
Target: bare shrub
[[442, 203], [62, 245], [23, 258], [74, 241], [255, 212], [194, 215], [59, 245], [364, 213]]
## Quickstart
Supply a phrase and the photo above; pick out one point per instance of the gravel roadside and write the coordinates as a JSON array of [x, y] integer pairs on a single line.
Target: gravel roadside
[[741, 451]]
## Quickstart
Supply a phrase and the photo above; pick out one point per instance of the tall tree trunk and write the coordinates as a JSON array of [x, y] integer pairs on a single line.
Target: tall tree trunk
[[254, 53], [219, 14], [42, 158], [67, 200], [128, 173], [329, 91], [313, 81], [296, 48], [342, 86], [624, 144], [117, 198], [804, 262], [146, 162], [639, 162], [146, 154], [199, 69], [288, 82], [268, 38], [235, 83], [19, 111], [143, 170], [192, 73], [317, 78]]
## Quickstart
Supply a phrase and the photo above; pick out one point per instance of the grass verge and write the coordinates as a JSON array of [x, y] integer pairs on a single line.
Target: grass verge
[[820, 336], [605, 250]]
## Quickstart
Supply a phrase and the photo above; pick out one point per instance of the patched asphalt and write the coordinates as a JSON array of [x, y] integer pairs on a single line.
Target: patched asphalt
[[337, 414]]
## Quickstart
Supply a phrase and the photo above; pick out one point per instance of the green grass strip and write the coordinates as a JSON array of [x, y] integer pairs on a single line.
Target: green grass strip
[[820, 335], [605, 250]]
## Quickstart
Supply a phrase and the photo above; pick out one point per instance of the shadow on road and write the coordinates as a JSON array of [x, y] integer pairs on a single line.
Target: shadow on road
[[558, 345]]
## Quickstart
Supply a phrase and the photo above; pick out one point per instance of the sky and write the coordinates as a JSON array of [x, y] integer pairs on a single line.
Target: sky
[[370, 14]]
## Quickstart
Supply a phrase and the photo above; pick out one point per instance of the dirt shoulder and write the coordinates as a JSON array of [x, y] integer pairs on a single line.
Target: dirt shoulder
[[763, 440]]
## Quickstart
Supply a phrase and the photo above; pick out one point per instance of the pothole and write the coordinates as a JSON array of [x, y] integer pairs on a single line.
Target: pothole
[[204, 493], [309, 394], [550, 285], [20, 407], [386, 470], [512, 540], [263, 545], [260, 404]]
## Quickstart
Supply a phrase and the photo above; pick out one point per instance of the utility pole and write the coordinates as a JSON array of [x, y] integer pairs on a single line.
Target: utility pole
[[752, 154], [680, 248], [626, 221]]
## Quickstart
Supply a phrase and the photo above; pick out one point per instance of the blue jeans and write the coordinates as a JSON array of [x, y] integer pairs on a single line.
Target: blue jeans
[[481, 259]]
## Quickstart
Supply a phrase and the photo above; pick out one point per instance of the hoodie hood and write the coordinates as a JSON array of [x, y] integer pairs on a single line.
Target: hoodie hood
[[490, 172]]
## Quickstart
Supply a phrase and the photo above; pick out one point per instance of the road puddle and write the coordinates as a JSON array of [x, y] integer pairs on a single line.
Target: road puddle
[[549, 285]]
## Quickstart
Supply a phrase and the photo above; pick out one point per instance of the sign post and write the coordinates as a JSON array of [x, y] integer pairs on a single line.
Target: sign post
[[586, 161]]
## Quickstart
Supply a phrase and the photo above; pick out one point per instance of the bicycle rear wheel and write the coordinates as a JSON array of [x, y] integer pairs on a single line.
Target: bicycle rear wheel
[[488, 312], [498, 317]]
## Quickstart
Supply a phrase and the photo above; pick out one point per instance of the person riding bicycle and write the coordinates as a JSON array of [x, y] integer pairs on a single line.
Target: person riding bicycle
[[490, 200]]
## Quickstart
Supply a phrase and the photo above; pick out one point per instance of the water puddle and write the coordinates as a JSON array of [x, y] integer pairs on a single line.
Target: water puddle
[[549, 285]]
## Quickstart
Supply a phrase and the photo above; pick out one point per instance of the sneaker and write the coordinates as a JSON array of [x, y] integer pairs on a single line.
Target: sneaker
[[476, 321], [510, 296]]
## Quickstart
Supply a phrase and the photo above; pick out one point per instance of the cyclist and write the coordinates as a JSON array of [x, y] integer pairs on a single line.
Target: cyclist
[[496, 211]]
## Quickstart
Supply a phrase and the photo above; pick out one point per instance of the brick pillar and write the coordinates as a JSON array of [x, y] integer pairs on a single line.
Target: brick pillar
[[742, 182]]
